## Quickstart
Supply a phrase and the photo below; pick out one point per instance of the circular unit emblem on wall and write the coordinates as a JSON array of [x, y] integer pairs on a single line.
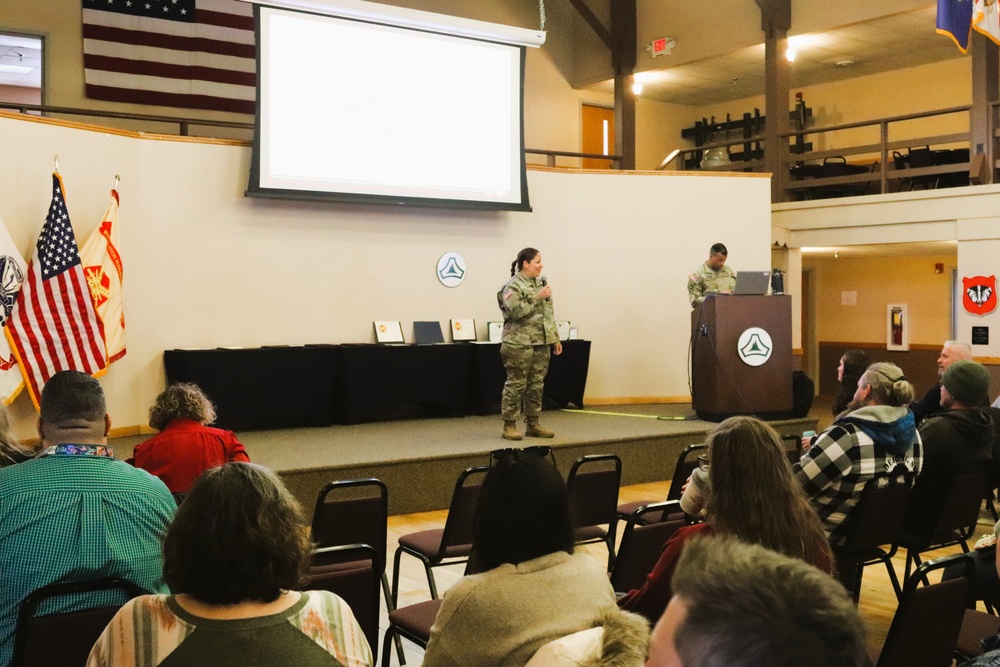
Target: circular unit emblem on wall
[[451, 269], [754, 346]]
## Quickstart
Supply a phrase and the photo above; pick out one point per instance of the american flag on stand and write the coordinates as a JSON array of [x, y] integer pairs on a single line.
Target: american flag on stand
[[192, 54], [54, 326]]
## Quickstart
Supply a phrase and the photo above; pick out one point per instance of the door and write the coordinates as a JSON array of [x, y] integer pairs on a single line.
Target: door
[[598, 125]]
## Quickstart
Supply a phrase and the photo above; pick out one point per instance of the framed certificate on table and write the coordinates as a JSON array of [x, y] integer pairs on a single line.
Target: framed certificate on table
[[388, 332], [463, 330]]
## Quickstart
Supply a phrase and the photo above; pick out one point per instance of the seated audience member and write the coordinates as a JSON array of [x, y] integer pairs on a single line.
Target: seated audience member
[[185, 447], [531, 588], [741, 605], [753, 497], [232, 555], [74, 512], [930, 404], [11, 451], [985, 580], [874, 437], [852, 365], [958, 439]]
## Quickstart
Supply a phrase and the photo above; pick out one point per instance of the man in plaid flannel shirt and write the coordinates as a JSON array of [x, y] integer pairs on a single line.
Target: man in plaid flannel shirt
[[874, 439]]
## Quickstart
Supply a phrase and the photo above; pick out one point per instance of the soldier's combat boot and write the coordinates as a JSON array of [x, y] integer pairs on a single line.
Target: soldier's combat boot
[[536, 431], [510, 430]]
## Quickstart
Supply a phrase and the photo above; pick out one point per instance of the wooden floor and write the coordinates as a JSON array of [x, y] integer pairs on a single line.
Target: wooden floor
[[877, 605]]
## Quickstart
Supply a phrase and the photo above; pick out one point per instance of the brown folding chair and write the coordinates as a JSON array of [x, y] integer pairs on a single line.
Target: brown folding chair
[[687, 461], [354, 511], [925, 628], [592, 486], [957, 521], [65, 639], [412, 622], [351, 571], [876, 523], [642, 543], [444, 546], [976, 626]]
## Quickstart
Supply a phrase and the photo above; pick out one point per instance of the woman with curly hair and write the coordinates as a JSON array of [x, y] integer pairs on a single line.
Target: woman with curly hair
[[185, 446], [753, 497], [233, 556], [11, 451]]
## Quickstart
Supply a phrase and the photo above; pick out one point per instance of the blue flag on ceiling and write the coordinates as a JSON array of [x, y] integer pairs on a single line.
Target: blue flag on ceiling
[[954, 18]]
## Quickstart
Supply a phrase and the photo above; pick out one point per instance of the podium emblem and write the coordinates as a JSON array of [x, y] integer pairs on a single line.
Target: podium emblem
[[754, 346]]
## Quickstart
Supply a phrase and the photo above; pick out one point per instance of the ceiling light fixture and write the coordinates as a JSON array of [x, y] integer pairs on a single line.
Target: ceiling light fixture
[[844, 63]]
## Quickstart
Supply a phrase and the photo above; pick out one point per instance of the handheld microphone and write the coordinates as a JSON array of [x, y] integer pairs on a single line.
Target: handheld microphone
[[545, 283]]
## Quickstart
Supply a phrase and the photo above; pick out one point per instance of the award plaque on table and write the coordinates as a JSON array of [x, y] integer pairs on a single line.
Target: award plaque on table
[[388, 332], [427, 333], [495, 330], [562, 328], [463, 330]]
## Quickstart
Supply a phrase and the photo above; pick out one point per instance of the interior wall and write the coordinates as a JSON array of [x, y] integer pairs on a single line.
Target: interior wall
[[206, 266], [851, 101], [879, 281]]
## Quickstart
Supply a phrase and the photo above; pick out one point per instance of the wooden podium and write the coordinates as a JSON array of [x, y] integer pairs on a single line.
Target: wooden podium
[[741, 357]]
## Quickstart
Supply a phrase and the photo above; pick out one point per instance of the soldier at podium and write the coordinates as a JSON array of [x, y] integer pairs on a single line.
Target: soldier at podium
[[712, 277]]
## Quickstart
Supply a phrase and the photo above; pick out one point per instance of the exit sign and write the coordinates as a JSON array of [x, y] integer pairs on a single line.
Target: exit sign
[[661, 47]]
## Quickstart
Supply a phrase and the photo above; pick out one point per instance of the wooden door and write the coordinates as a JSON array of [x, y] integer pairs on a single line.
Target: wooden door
[[598, 125]]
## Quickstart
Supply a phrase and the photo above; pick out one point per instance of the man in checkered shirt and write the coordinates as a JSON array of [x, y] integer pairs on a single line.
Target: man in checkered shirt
[[877, 437]]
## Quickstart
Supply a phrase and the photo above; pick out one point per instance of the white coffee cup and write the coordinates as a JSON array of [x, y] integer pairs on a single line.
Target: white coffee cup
[[696, 494]]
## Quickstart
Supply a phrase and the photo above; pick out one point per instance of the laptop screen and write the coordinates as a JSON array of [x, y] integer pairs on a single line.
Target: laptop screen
[[752, 282]]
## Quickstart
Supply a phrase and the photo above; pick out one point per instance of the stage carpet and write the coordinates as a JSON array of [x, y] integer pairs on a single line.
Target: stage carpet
[[419, 460]]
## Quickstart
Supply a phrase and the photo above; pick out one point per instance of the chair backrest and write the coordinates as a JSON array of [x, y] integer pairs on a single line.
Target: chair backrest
[[686, 463], [960, 510], [898, 161], [642, 543], [353, 511], [835, 165], [928, 620], [64, 639], [349, 571], [458, 525], [878, 517], [921, 157], [592, 486]]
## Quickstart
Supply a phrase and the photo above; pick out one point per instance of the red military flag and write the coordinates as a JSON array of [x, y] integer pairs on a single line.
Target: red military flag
[[54, 325], [102, 265]]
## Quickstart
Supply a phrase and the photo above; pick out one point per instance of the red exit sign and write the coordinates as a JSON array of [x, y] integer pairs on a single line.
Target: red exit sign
[[661, 47]]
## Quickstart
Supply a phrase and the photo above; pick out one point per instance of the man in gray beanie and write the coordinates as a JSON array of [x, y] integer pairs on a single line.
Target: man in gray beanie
[[959, 439]]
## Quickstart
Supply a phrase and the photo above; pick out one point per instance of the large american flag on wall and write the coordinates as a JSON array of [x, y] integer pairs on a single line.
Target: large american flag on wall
[[54, 326], [192, 54]]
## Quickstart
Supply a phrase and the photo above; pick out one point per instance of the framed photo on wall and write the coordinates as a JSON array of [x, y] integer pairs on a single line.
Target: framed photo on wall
[[897, 329]]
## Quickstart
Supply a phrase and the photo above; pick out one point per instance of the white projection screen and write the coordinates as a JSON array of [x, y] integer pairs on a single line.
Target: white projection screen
[[353, 110]]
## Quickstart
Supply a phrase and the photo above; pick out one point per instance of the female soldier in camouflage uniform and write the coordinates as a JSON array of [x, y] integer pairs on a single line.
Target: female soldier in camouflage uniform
[[529, 331]]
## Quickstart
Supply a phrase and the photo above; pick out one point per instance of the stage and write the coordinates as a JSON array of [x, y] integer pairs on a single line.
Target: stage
[[420, 459]]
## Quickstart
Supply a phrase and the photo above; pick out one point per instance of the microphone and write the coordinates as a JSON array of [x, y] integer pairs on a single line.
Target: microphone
[[545, 283]]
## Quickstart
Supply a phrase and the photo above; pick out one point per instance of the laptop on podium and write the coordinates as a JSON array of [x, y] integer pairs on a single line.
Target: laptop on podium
[[752, 282]]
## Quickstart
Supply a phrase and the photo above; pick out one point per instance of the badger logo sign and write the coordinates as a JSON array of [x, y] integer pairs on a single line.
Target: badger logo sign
[[979, 294]]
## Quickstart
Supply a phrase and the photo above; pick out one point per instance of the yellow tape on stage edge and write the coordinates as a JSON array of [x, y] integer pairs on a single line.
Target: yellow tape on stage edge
[[613, 414]]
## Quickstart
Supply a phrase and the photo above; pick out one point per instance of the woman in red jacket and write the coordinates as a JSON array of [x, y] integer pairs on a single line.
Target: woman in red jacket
[[185, 446]]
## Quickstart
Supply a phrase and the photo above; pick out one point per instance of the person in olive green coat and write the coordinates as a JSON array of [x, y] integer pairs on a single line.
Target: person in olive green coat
[[529, 333]]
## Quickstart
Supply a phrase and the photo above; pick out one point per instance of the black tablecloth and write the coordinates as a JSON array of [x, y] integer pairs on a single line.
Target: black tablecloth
[[267, 387], [319, 385]]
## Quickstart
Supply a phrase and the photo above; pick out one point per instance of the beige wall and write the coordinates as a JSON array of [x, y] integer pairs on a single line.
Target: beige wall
[[206, 266], [852, 100], [878, 282]]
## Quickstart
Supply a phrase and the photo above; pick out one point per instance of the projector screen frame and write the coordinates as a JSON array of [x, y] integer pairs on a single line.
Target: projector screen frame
[[255, 189]]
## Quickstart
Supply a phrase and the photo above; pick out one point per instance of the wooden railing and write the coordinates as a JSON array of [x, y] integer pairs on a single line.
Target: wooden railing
[[881, 174], [183, 124]]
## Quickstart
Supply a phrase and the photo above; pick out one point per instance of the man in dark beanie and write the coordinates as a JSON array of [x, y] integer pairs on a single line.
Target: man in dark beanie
[[959, 439]]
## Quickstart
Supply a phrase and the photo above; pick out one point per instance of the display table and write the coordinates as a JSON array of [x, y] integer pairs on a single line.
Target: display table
[[266, 387], [319, 385]]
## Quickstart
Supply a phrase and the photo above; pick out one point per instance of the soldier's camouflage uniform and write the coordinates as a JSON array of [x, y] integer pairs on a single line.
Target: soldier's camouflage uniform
[[706, 281], [529, 331]]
